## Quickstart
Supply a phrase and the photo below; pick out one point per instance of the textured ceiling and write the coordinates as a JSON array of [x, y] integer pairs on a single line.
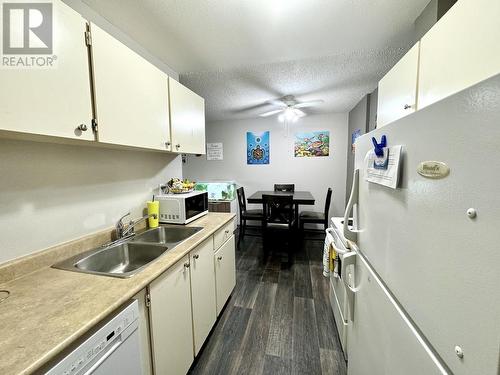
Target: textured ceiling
[[239, 53]]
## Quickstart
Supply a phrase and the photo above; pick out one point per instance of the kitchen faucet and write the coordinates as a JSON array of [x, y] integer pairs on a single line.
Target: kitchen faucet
[[123, 231]]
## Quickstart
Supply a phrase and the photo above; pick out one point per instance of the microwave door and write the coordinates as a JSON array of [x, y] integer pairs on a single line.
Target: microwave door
[[195, 205]]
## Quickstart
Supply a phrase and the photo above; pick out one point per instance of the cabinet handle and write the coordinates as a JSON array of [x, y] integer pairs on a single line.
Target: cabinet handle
[[219, 258], [227, 231], [82, 127], [186, 265], [196, 256], [178, 145], [168, 144], [407, 106]]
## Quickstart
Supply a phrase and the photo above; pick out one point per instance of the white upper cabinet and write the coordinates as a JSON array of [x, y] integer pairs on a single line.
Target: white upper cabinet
[[460, 50], [51, 101], [187, 119], [397, 91], [131, 96]]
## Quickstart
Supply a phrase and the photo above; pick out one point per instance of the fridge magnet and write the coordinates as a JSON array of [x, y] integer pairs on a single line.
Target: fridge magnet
[[312, 144], [384, 169], [355, 135], [381, 151], [258, 148]]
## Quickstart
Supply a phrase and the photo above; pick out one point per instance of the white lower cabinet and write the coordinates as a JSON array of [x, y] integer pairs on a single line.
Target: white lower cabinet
[[184, 303], [171, 320], [202, 292], [144, 333], [225, 272]]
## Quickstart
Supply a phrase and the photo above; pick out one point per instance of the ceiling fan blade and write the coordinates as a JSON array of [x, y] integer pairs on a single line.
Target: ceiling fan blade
[[299, 113], [270, 113], [277, 103], [309, 103]]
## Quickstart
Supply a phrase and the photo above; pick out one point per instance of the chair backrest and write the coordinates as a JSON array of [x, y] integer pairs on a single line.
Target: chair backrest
[[327, 202], [241, 199], [284, 187], [278, 209]]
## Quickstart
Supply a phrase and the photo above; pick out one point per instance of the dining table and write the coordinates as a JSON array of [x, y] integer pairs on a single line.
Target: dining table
[[299, 198]]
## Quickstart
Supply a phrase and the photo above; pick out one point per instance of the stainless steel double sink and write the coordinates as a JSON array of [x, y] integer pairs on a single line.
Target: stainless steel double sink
[[127, 257]]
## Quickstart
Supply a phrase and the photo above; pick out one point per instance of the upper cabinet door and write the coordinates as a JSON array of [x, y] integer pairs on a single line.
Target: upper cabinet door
[[55, 100], [397, 91], [460, 50], [187, 119], [131, 95]]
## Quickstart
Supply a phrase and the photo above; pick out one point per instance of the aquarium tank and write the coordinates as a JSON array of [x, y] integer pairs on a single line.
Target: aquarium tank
[[218, 190]]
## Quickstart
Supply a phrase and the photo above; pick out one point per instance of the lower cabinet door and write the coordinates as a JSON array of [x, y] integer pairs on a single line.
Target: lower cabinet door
[[171, 320], [203, 292], [225, 272]]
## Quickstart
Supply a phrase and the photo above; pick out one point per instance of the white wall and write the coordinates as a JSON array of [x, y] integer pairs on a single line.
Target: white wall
[[313, 174], [51, 193]]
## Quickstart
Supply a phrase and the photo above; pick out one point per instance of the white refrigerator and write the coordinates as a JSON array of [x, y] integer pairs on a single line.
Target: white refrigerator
[[426, 284]]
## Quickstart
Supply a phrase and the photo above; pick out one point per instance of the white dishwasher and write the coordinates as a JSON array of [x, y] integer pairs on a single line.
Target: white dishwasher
[[113, 349]]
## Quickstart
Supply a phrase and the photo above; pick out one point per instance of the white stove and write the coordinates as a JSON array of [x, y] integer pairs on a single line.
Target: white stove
[[340, 298], [337, 223]]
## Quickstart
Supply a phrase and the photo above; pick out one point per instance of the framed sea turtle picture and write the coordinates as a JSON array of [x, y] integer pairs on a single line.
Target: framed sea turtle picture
[[312, 144], [258, 148]]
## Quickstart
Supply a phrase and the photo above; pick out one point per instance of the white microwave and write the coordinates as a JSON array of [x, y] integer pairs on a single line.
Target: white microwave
[[182, 208]]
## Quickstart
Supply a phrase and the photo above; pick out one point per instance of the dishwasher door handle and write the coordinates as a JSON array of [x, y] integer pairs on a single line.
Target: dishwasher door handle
[[105, 356]]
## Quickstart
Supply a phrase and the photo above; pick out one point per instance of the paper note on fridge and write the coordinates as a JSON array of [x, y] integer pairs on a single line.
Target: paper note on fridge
[[384, 170]]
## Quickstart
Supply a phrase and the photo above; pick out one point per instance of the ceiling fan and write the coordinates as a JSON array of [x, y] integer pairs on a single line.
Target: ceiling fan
[[289, 108]]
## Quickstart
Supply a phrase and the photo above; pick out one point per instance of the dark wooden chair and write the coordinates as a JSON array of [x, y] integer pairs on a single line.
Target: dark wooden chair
[[279, 219], [246, 214], [284, 187], [313, 217]]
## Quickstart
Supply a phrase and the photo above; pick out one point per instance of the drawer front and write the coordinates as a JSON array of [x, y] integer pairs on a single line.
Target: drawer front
[[225, 272], [223, 234]]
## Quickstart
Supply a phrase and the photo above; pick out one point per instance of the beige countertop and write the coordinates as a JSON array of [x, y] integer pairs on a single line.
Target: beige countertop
[[49, 309]]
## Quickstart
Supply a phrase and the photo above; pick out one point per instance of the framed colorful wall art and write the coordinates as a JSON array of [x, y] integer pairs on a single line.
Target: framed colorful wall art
[[258, 148], [312, 144]]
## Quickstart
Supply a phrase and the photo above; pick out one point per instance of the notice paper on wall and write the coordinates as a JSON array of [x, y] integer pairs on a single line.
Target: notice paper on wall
[[384, 173], [215, 151]]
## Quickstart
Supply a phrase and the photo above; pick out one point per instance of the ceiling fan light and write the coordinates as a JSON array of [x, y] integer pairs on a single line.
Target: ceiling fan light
[[290, 114]]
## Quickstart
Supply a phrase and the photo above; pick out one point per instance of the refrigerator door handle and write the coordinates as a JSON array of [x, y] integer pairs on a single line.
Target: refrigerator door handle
[[352, 234]]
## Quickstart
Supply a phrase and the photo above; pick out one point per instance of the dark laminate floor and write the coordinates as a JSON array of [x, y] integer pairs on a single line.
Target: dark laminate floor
[[278, 320]]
